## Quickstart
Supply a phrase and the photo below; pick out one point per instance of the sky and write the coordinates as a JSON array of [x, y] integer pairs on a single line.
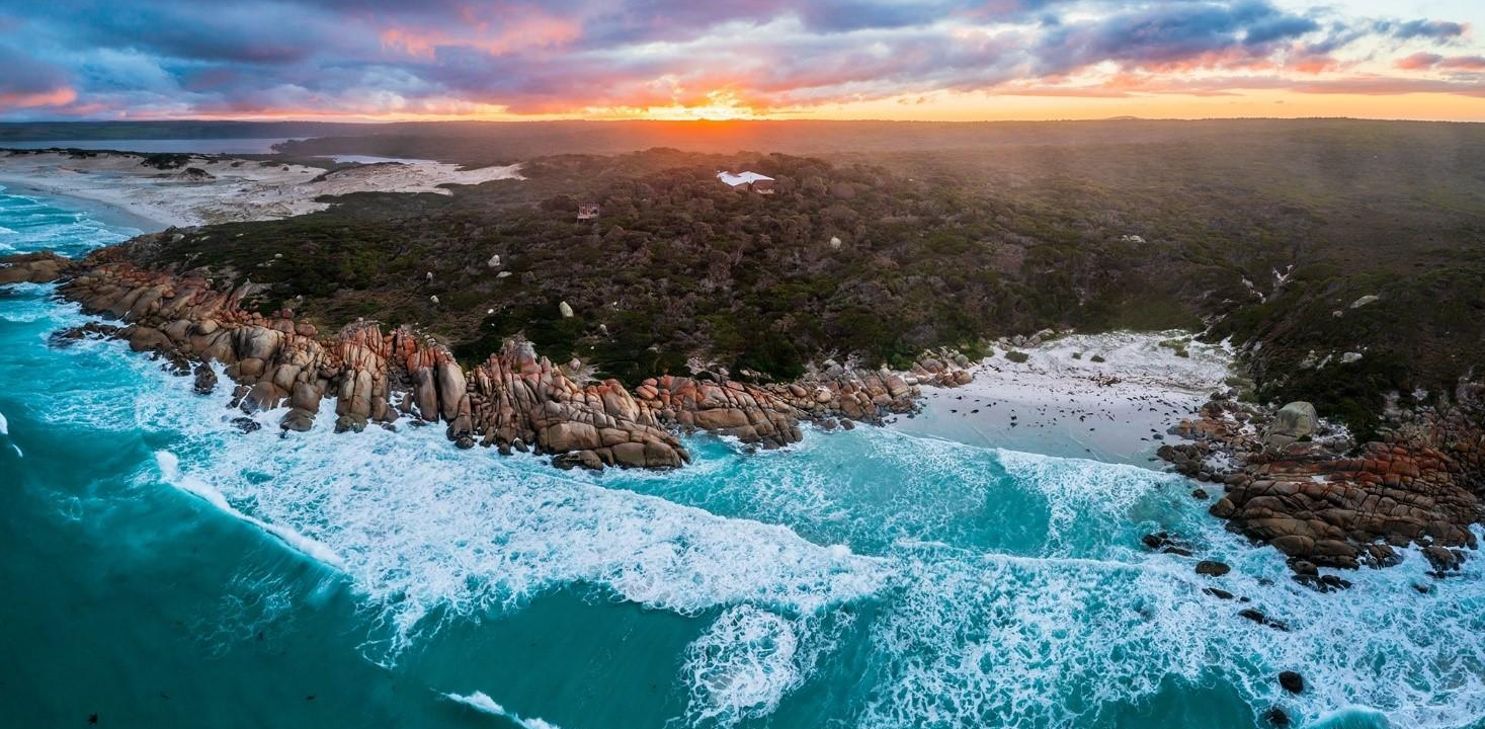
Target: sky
[[949, 60]]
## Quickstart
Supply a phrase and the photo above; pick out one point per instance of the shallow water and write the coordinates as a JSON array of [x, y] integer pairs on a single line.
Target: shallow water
[[163, 569]]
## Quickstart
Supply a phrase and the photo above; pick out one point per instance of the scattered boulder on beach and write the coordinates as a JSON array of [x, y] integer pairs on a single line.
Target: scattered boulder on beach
[[1291, 423], [1308, 491]]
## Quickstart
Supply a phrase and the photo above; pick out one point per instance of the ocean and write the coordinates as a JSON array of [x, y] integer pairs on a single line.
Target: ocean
[[161, 568]]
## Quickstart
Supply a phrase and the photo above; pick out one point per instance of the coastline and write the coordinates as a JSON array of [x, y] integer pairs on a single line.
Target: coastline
[[515, 400], [1118, 397], [107, 210]]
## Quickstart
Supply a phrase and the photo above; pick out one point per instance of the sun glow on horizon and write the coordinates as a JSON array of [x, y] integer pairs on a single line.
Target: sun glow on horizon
[[951, 60]]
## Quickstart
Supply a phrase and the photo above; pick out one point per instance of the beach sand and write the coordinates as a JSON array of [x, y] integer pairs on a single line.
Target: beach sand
[[1060, 402], [227, 189]]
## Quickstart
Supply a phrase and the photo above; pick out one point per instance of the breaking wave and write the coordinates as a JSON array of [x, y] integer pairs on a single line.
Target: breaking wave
[[481, 702]]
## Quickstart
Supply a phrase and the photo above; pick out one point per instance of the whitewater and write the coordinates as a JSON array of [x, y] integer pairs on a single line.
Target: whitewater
[[165, 568]]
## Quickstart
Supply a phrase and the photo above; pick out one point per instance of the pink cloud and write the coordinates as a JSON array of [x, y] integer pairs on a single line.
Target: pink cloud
[[1464, 63], [1426, 61], [60, 96], [517, 30]]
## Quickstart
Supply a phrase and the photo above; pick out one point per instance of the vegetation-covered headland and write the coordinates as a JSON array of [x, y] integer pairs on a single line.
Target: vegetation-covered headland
[[1343, 260]]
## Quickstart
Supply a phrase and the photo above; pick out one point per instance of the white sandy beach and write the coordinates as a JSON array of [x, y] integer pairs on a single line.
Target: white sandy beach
[[1117, 410], [227, 189]]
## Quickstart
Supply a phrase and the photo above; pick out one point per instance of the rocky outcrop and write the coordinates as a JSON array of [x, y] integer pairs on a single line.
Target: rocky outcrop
[[514, 401], [32, 268], [1293, 422], [1327, 503]]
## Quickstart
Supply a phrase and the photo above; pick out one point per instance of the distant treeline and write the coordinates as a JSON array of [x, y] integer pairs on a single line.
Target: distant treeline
[[502, 142]]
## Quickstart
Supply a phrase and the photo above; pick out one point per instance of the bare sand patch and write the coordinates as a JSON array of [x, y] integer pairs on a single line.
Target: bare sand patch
[[1063, 402], [219, 189]]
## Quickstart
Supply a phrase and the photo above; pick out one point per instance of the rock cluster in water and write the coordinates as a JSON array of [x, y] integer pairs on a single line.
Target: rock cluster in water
[[1326, 503], [515, 400]]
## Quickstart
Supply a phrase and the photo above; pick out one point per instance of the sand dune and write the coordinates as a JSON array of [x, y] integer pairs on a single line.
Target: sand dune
[[217, 189]]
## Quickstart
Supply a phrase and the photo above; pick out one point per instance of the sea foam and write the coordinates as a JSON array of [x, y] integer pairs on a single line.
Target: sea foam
[[5, 431], [480, 701], [742, 666], [169, 465], [422, 527]]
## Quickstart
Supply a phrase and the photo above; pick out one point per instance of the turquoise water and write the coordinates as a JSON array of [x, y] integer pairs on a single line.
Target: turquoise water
[[163, 569]]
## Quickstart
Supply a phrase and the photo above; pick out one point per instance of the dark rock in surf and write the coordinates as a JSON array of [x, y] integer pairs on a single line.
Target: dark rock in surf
[[1166, 543], [206, 379], [1264, 620], [1212, 568], [1218, 593]]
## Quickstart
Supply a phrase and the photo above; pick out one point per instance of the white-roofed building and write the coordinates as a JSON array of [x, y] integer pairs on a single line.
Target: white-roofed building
[[752, 181]]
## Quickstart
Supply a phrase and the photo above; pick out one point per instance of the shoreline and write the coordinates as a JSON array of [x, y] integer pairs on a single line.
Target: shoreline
[[515, 400], [1116, 397], [1060, 402], [111, 212]]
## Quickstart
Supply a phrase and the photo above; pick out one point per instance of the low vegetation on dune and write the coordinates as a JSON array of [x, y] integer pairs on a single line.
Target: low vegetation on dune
[[1342, 274]]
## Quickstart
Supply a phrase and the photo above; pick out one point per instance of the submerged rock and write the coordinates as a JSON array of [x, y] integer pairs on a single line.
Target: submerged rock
[[1264, 620], [1276, 717], [1212, 568], [206, 379], [1166, 543]]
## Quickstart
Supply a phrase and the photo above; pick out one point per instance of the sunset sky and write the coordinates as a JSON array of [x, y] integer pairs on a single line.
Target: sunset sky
[[676, 59]]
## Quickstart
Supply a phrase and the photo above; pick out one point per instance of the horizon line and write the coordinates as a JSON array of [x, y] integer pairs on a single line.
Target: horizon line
[[775, 120]]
